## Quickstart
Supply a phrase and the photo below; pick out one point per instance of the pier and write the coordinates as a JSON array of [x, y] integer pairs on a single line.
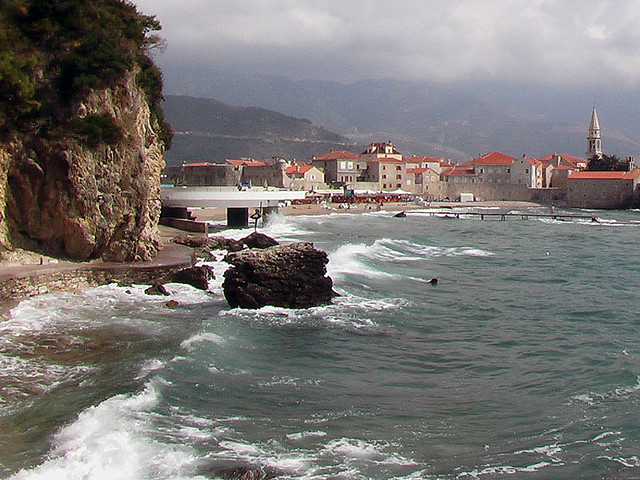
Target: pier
[[504, 215]]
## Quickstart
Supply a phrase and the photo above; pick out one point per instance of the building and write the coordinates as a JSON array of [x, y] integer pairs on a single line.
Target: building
[[341, 167], [304, 177], [381, 150], [202, 174], [494, 176], [594, 137], [556, 168], [607, 190], [390, 173]]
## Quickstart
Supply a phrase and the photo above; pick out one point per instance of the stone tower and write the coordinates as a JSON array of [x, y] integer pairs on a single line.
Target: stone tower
[[594, 139]]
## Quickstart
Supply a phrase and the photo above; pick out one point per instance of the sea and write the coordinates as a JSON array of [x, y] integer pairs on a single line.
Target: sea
[[523, 361]]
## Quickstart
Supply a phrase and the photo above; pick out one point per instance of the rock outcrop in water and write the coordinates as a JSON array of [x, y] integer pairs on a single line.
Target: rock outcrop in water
[[81, 132], [291, 276]]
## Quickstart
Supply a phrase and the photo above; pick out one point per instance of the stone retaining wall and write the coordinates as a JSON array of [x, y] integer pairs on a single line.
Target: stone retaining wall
[[17, 288]]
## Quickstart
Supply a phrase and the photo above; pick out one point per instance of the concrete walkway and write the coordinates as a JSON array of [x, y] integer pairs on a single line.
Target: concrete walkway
[[171, 254]]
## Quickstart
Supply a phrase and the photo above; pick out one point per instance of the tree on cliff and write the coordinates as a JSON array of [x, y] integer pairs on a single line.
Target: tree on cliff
[[53, 51]]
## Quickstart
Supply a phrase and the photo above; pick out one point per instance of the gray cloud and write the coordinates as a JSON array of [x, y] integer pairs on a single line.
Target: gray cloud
[[560, 42]]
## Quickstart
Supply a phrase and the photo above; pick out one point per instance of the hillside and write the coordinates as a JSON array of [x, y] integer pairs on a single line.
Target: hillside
[[209, 130], [431, 119]]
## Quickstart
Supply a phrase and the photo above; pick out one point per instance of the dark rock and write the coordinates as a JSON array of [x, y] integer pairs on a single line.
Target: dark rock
[[259, 240], [197, 277], [205, 254], [433, 281], [221, 243], [246, 473], [172, 304], [193, 241], [291, 276], [157, 289]]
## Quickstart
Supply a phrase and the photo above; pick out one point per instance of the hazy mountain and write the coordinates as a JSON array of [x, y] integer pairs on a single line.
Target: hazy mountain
[[429, 119], [210, 131]]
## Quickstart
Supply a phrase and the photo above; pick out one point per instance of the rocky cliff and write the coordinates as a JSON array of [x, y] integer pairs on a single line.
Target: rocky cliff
[[80, 170]]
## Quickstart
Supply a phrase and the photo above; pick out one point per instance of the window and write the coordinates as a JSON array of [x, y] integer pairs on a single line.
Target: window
[[398, 177], [384, 176], [350, 165], [343, 165], [526, 171], [399, 185], [508, 170], [313, 177], [398, 167], [384, 167]]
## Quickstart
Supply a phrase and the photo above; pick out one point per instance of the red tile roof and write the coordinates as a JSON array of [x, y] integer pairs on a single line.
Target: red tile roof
[[417, 170], [494, 158], [588, 175], [248, 163], [339, 155], [569, 158], [301, 168]]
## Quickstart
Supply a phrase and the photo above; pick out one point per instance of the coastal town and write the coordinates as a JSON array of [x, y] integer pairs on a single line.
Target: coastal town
[[381, 173]]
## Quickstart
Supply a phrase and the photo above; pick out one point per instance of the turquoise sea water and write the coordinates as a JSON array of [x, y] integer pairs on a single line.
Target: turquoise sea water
[[522, 362]]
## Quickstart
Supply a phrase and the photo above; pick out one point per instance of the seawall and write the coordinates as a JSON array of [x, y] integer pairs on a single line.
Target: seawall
[[18, 282]]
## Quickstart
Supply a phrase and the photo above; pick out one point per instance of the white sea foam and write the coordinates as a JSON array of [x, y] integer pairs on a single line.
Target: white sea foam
[[345, 312], [351, 259], [272, 455], [379, 453], [112, 440], [305, 435], [203, 337], [279, 227], [503, 470], [630, 462]]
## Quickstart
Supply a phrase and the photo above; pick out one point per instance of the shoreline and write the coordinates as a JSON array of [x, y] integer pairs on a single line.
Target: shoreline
[[31, 274], [218, 214]]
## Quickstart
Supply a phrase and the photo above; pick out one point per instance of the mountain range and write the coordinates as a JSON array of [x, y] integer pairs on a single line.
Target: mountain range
[[458, 122]]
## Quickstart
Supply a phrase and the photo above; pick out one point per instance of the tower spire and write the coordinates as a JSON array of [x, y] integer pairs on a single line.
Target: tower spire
[[594, 138]]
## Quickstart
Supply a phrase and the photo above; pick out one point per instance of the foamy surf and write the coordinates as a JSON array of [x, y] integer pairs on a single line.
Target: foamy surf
[[114, 440]]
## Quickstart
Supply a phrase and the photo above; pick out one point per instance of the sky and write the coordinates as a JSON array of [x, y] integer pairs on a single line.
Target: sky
[[567, 43]]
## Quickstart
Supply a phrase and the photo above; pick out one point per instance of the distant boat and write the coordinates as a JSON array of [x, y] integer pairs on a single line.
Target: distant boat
[[401, 214]]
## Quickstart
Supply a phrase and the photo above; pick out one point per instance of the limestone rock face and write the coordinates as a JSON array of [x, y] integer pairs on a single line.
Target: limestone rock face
[[291, 276], [63, 198]]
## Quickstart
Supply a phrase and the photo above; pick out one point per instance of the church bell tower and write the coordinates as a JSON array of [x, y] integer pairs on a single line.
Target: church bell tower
[[594, 138]]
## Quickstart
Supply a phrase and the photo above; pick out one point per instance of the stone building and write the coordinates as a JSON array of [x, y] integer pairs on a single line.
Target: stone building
[[341, 167], [607, 190]]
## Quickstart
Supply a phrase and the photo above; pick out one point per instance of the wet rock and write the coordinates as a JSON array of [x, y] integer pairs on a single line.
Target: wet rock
[[222, 243], [259, 240], [172, 304], [197, 277], [157, 289], [290, 276], [193, 241]]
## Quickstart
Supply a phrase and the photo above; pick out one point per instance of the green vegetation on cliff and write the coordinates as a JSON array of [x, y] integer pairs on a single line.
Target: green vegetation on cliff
[[53, 52]]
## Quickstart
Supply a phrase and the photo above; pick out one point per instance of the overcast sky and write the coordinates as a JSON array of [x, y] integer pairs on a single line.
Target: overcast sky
[[574, 43]]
